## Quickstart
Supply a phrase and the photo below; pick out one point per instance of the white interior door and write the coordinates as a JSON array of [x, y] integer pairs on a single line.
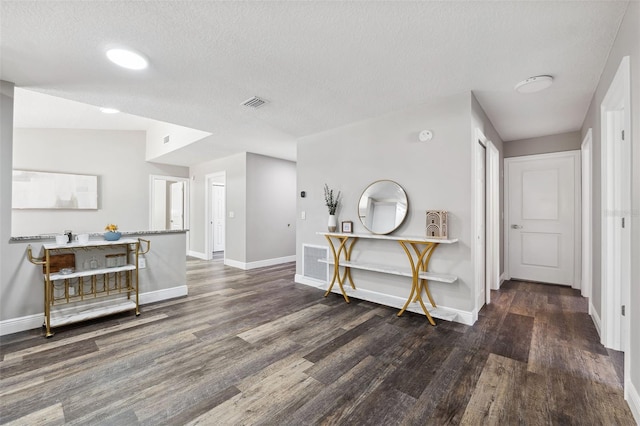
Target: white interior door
[[218, 217], [177, 206], [541, 217]]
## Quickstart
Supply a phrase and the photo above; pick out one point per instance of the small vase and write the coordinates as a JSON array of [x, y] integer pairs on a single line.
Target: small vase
[[112, 236], [333, 223]]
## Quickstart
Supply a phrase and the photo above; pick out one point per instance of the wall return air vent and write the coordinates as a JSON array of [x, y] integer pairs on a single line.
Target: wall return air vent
[[254, 102]]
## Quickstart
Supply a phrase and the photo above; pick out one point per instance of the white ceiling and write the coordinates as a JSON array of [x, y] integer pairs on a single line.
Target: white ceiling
[[320, 64], [38, 110]]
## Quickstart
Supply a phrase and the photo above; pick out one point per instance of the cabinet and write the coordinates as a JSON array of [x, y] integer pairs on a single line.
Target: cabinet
[[89, 280], [418, 250]]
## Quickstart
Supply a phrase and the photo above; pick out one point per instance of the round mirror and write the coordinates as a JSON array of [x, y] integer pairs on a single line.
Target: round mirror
[[383, 207]]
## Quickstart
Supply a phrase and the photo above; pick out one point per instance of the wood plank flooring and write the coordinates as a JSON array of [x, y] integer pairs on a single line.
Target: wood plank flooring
[[253, 347]]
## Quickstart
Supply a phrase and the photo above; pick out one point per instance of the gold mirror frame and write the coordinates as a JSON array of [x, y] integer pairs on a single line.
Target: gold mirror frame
[[389, 200]]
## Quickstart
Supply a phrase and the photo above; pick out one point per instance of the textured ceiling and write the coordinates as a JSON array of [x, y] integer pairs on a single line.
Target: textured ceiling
[[320, 64]]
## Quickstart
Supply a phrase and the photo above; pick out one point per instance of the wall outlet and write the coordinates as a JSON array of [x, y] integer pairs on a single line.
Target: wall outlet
[[142, 263], [303, 215]]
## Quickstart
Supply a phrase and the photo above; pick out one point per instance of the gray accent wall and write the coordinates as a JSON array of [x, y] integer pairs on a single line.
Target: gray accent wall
[[436, 175], [271, 208], [542, 145], [117, 157], [6, 155], [627, 43]]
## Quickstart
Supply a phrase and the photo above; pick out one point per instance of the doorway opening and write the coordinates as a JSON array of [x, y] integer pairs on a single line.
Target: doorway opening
[[487, 219], [215, 205], [169, 203]]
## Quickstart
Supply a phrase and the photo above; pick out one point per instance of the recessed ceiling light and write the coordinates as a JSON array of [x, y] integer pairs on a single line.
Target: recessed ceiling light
[[109, 110], [534, 84], [127, 59]]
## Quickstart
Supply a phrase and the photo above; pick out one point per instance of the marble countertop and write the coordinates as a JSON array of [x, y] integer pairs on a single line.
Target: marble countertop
[[391, 237], [47, 237]]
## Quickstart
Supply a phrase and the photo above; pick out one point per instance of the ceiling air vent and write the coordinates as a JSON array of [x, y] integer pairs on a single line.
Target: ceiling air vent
[[254, 102]]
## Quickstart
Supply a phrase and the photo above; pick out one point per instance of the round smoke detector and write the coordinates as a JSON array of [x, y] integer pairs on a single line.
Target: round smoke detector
[[425, 136]]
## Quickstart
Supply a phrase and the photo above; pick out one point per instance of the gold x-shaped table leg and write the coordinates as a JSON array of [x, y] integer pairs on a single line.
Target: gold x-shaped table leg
[[344, 247], [418, 265]]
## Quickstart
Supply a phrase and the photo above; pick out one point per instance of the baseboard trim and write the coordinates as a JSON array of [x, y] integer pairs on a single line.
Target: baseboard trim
[[441, 312], [301, 279], [260, 263], [30, 322], [164, 294], [503, 278], [595, 318], [15, 325], [633, 399], [197, 255]]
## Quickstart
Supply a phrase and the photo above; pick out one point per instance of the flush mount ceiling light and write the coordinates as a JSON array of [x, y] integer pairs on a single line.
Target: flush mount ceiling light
[[127, 59], [534, 84], [107, 110]]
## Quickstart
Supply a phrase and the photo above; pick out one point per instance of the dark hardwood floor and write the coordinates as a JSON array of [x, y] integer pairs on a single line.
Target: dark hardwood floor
[[253, 347]]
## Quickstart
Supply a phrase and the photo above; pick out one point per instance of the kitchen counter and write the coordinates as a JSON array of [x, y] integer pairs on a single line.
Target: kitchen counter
[[47, 237]]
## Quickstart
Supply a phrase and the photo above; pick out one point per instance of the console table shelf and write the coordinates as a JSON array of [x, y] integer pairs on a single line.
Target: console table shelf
[[89, 293], [418, 250]]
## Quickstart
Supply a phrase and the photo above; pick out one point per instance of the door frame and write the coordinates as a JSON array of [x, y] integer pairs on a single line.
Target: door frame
[[480, 207], [210, 179], [493, 219], [577, 212], [586, 170], [491, 214], [615, 113]]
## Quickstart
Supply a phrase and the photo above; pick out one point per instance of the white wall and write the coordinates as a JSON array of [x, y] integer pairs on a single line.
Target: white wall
[[271, 208], [542, 145], [627, 43], [179, 137], [436, 176], [117, 157]]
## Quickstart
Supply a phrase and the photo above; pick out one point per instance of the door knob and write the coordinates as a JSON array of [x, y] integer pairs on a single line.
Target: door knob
[[516, 227]]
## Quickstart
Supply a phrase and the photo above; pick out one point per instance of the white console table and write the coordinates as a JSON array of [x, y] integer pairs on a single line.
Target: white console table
[[419, 251]]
